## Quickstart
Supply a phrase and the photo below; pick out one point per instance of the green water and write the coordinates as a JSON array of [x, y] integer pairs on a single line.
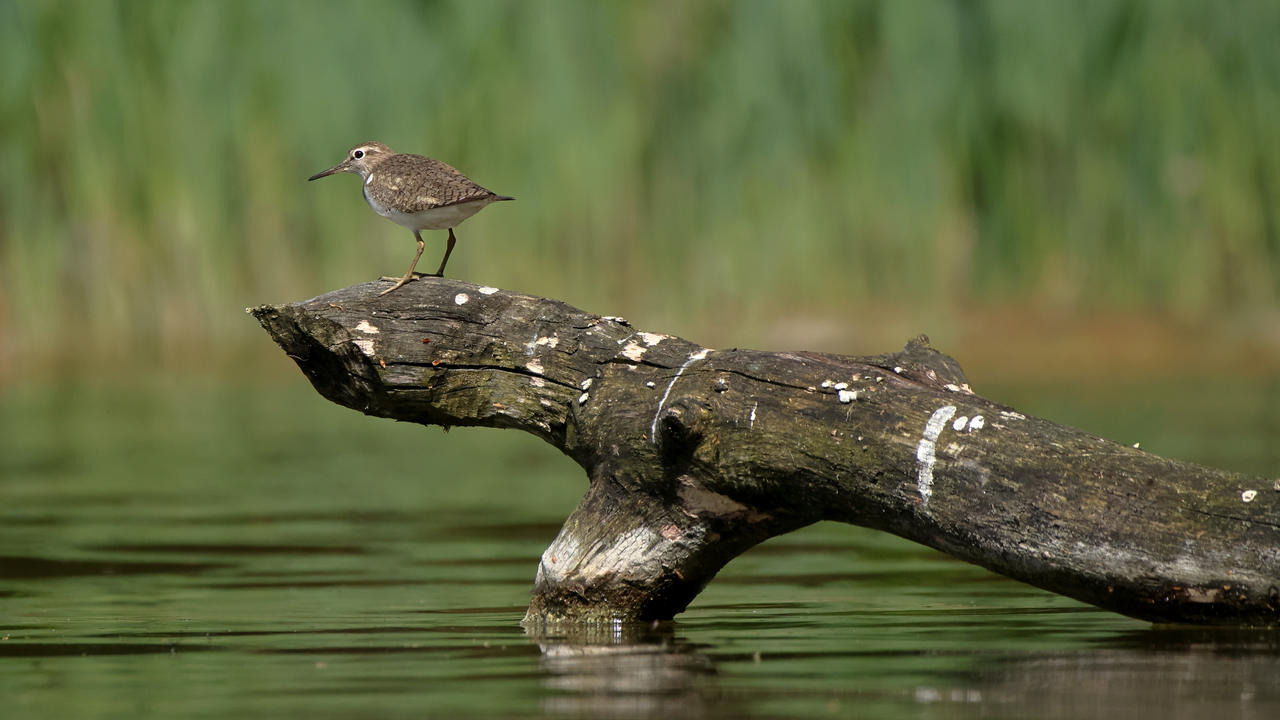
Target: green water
[[179, 551]]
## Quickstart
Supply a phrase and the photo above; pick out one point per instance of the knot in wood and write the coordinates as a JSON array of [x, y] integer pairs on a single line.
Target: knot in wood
[[681, 428]]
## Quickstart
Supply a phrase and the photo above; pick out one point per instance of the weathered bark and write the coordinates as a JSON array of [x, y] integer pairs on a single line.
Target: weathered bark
[[694, 455]]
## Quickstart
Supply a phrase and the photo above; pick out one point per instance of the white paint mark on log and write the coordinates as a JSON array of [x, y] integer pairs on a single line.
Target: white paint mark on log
[[925, 457], [1010, 415], [365, 345], [840, 386], [634, 351], [964, 423], [460, 299], [847, 396], [486, 290], [652, 339], [753, 416], [585, 384], [1248, 495], [537, 382], [582, 399], [536, 342], [534, 366], [364, 327], [653, 427]]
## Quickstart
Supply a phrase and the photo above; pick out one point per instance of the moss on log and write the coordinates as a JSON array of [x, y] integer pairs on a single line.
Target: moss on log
[[694, 455]]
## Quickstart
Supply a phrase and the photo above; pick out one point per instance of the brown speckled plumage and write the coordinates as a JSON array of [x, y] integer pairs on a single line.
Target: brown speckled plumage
[[414, 191], [413, 183]]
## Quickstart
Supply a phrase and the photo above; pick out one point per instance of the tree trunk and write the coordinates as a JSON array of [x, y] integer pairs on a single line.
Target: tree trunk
[[694, 455]]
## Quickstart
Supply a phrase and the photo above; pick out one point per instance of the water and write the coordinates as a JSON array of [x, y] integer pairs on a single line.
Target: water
[[170, 551]]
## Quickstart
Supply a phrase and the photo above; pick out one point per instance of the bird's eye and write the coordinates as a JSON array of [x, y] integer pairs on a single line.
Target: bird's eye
[[357, 154]]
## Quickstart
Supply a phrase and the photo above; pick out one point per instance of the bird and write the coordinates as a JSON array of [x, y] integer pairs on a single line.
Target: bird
[[416, 192]]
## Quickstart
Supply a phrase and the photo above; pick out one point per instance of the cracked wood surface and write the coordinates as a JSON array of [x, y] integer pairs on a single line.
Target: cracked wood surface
[[694, 455]]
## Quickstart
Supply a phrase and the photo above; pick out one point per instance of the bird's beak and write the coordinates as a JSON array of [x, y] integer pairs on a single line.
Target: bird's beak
[[335, 169]]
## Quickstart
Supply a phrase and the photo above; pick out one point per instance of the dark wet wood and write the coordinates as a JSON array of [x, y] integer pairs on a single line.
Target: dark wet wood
[[694, 455]]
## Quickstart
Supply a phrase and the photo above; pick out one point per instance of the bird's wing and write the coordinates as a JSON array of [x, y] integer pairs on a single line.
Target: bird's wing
[[432, 183]]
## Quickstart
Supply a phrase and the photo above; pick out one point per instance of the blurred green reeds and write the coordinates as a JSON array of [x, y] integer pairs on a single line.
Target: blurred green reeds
[[699, 164]]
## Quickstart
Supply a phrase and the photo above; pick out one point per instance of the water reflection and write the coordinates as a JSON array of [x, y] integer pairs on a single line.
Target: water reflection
[[614, 671], [313, 576], [657, 671], [1184, 673]]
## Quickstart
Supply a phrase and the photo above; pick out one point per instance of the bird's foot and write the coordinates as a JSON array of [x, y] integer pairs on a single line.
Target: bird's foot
[[399, 282]]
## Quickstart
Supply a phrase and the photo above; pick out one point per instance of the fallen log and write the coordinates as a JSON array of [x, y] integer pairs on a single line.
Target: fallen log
[[694, 455]]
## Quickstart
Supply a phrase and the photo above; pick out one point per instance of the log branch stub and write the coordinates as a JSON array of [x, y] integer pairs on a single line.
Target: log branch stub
[[694, 455]]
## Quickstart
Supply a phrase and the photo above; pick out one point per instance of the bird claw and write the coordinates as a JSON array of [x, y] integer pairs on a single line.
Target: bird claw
[[399, 282]]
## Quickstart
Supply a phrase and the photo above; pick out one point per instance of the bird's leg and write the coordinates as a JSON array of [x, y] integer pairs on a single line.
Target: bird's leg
[[448, 249], [408, 273]]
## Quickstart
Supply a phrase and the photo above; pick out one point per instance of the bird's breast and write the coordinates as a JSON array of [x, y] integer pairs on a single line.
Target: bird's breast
[[437, 218]]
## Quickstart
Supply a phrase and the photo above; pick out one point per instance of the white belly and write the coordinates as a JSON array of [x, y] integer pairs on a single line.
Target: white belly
[[434, 219]]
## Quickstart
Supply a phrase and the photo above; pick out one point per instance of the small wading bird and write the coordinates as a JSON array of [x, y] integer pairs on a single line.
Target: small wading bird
[[416, 192]]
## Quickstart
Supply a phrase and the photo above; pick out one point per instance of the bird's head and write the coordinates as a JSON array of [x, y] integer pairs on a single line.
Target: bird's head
[[360, 160]]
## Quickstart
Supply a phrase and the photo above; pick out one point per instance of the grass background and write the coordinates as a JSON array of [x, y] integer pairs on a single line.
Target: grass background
[[1036, 184]]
